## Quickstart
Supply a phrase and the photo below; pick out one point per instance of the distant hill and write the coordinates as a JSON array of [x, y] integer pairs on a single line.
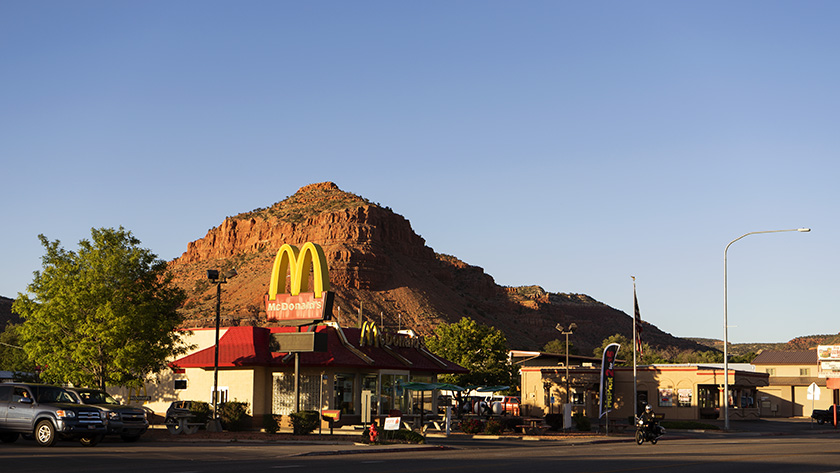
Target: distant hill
[[809, 342], [380, 268], [6, 314]]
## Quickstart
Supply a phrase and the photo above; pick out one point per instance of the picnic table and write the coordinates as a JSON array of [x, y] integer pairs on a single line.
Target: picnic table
[[533, 425]]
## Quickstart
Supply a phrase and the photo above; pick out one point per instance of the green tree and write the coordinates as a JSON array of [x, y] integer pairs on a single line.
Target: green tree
[[559, 346], [480, 348], [104, 315], [13, 357], [625, 351]]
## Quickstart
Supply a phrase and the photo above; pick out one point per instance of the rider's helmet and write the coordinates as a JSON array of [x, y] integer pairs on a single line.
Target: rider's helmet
[[648, 408]]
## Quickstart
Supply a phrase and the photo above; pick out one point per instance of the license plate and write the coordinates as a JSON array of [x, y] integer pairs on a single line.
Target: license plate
[[91, 427]]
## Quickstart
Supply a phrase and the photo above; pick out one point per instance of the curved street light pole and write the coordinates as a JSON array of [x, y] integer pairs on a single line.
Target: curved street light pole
[[726, 321]]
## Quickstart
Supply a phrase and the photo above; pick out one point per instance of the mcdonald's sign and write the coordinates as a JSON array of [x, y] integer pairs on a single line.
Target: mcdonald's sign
[[300, 305]]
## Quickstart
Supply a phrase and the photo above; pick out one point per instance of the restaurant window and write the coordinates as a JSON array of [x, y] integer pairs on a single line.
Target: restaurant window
[[771, 371], [180, 384], [684, 397], [577, 397], [393, 397], [283, 393], [666, 397], [804, 371], [343, 389]]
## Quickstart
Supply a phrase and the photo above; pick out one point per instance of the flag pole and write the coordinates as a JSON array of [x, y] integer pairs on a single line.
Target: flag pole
[[635, 390]]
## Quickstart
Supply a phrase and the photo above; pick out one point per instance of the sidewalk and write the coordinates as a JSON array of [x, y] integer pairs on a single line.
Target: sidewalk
[[346, 441]]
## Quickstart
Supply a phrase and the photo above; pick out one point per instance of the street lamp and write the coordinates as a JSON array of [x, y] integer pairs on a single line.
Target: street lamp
[[567, 332], [726, 321], [217, 279]]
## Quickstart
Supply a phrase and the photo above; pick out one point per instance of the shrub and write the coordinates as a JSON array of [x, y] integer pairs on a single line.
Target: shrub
[[554, 421], [200, 411], [271, 423], [304, 422], [493, 427], [472, 426], [582, 423], [394, 436], [510, 423], [234, 415]]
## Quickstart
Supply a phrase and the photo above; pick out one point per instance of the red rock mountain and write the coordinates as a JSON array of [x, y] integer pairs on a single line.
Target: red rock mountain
[[381, 270]]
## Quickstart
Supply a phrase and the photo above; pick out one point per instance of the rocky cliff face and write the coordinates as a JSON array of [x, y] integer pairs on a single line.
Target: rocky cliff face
[[381, 270]]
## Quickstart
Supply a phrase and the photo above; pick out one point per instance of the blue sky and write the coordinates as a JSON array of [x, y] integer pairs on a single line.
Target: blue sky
[[565, 144]]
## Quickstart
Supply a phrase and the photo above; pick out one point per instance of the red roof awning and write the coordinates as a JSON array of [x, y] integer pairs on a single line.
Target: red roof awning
[[249, 346]]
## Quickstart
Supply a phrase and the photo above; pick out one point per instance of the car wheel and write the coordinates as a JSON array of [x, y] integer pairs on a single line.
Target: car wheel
[[45, 433], [129, 438], [91, 441], [820, 421], [8, 437], [173, 426]]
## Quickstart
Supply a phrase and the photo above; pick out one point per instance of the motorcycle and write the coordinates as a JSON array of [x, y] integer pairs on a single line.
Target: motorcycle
[[648, 431]]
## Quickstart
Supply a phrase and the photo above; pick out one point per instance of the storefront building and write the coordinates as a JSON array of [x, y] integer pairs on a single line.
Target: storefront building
[[249, 371], [687, 392], [791, 374]]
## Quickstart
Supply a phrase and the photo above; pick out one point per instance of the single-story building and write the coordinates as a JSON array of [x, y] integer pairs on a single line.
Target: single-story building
[[249, 371], [681, 391]]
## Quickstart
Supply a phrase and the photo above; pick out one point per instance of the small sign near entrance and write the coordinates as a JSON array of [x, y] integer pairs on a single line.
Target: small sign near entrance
[[392, 423], [813, 392]]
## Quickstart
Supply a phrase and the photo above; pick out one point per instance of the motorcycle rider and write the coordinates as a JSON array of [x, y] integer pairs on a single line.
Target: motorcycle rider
[[649, 421]]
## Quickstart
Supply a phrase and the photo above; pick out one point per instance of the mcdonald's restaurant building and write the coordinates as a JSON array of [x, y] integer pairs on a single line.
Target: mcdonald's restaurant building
[[679, 391], [251, 371]]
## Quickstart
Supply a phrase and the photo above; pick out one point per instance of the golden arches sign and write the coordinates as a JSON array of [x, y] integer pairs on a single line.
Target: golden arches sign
[[296, 263], [300, 303]]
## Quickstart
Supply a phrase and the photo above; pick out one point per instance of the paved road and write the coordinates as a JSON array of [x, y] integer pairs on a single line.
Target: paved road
[[789, 448]]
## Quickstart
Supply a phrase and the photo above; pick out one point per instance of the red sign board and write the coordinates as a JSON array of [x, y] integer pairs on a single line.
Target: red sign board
[[304, 306]]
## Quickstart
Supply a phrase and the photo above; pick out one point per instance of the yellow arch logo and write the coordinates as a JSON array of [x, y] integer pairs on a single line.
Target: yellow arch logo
[[296, 264], [301, 303], [370, 335]]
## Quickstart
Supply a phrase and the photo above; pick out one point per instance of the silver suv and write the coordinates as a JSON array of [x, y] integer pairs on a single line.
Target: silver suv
[[47, 413]]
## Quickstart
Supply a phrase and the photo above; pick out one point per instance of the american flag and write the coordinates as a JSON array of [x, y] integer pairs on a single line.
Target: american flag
[[637, 321]]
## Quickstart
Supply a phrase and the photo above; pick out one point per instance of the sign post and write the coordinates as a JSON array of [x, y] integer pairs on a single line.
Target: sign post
[[813, 395]]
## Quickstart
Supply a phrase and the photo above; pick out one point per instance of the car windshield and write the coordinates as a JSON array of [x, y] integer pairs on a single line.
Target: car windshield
[[52, 394], [97, 397]]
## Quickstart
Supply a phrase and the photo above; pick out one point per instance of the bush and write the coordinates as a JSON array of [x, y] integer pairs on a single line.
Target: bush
[[493, 427], [271, 423], [472, 426], [394, 436], [510, 423], [582, 423], [234, 415], [304, 422], [554, 421], [200, 411]]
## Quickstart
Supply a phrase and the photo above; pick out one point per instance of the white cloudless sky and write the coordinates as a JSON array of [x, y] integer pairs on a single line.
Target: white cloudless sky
[[565, 144]]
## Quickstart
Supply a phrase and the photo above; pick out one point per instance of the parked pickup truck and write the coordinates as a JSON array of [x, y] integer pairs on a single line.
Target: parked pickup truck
[[126, 421], [825, 415], [47, 413]]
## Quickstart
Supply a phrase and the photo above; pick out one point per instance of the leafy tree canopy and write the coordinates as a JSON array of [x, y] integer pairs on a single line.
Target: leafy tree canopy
[[13, 357], [652, 356], [559, 346], [480, 348], [103, 315]]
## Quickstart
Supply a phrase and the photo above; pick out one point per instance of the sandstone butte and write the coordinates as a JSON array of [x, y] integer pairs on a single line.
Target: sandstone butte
[[381, 270]]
